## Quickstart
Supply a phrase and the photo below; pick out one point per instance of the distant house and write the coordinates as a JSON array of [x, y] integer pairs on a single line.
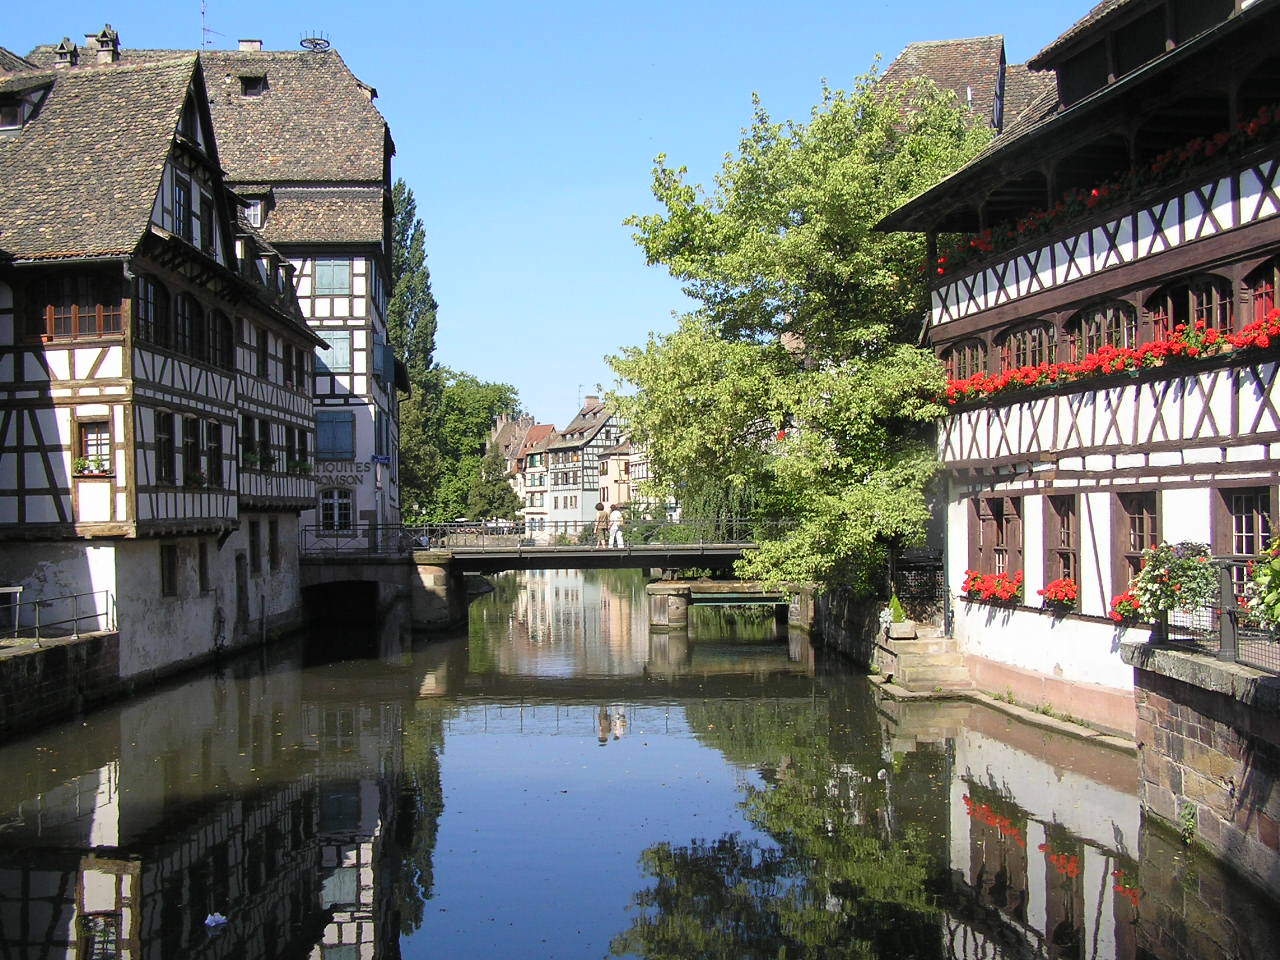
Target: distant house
[[1132, 202], [573, 465], [155, 367]]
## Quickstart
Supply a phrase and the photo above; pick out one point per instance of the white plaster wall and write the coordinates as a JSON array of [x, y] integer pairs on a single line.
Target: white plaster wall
[[1033, 547], [49, 570], [1081, 651], [1095, 553], [1185, 514], [157, 632]]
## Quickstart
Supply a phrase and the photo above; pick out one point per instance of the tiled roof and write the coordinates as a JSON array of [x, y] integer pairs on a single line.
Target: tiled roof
[[588, 422], [970, 68], [82, 176], [10, 61], [349, 215], [538, 434], [1086, 23], [1022, 88], [315, 120]]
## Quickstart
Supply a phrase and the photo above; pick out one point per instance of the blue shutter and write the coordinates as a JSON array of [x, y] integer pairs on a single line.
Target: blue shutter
[[337, 359], [335, 435]]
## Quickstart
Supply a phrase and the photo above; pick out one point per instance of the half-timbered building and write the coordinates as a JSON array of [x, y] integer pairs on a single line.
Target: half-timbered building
[[1134, 202], [310, 155], [155, 410]]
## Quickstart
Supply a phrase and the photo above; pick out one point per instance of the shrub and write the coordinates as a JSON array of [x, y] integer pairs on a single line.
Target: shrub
[[1176, 577]]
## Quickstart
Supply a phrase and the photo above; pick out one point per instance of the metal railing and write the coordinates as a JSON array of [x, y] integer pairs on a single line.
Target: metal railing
[[400, 539], [1226, 630], [69, 615]]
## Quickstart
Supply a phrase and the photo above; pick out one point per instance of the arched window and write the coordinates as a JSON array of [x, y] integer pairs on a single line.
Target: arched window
[[222, 350], [190, 327], [964, 359], [1112, 324], [1187, 302], [1028, 346], [1261, 286], [151, 316], [335, 509]]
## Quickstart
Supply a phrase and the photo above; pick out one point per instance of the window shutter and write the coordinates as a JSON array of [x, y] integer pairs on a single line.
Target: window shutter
[[335, 435]]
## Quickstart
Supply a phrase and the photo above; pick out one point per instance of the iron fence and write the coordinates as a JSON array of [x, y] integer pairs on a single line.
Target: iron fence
[[63, 616], [1226, 630]]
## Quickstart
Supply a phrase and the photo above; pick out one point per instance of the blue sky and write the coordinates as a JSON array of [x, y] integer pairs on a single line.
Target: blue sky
[[527, 132]]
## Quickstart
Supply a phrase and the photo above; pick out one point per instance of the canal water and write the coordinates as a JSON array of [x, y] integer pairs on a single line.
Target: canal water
[[554, 781]]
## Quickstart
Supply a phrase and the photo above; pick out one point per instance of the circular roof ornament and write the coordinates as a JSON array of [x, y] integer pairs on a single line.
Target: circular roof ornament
[[316, 44]]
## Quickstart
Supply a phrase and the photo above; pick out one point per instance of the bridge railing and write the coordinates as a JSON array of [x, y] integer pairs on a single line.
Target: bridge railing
[[399, 539], [68, 615]]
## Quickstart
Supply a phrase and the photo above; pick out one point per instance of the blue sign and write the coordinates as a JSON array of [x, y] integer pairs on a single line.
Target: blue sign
[[381, 458]]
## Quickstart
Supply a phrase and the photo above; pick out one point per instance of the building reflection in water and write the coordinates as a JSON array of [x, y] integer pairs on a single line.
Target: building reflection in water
[[301, 799]]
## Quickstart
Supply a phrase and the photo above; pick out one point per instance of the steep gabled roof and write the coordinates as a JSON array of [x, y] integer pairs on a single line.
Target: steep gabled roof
[[1023, 88], [1101, 12], [583, 428], [970, 68], [326, 216], [81, 177]]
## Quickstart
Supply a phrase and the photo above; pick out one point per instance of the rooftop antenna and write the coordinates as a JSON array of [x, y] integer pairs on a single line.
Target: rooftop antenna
[[205, 32], [317, 42]]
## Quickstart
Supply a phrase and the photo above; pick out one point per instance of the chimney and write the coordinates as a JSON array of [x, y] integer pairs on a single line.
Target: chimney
[[589, 401], [68, 55], [252, 46], [106, 43]]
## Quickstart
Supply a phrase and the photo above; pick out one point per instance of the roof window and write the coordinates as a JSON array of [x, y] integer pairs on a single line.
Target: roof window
[[253, 86]]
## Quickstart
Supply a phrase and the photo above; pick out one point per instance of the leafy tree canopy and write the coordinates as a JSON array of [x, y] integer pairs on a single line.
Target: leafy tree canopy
[[796, 385]]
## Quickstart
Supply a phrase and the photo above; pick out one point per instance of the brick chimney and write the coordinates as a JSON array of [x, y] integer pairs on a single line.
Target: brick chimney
[[106, 43], [251, 46], [68, 54]]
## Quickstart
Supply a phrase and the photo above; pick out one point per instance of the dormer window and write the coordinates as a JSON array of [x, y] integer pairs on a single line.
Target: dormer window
[[253, 86], [10, 114], [253, 213]]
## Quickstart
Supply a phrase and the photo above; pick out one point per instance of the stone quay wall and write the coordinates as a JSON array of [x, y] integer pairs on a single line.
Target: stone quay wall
[[1209, 755], [57, 680]]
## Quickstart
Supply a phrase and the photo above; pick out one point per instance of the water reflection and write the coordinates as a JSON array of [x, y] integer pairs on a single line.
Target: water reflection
[[556, 781]]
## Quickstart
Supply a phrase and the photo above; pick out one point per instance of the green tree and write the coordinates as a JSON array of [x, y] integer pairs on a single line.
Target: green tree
[[795, 387], [491, 494], [459, 426]]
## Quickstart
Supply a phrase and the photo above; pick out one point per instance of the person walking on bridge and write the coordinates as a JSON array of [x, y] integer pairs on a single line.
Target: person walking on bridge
[[616, 522], [602, 526]]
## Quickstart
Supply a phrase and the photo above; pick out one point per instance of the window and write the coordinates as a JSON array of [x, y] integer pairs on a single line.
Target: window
[[166, 471], [1261, 287], [1242, 527], [253, 87], [335, 509], [74, 305], [213, 452], [189, 327], [191, 475], [1112, 324], [1062, 538], [266, 458], [168, 569], [264, 353], [202, 566], [206, 224], [286, 353], [222, 350], [1204, 299], [300, 368], [95, 444], [1028, 346], [253, 213], [333, 276], [964, 359], [182, 207], [995, 544], [248, 440], [1135, 529], [10, 114], [152, 318], [302, 446], [255, 546], [337, 359], [335, 435], [273, 543], [99, 936]]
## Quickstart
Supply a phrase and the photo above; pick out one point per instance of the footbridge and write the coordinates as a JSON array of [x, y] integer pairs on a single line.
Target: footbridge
[[428, 563]]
